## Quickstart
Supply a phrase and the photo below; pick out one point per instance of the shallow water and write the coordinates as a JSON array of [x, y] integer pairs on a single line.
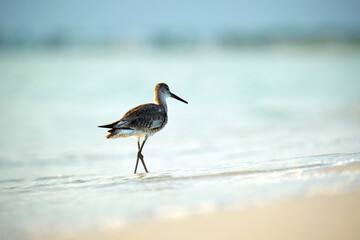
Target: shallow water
[[261, 125]]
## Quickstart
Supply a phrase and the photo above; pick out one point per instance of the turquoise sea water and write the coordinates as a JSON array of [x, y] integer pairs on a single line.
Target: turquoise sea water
[[260, 126]]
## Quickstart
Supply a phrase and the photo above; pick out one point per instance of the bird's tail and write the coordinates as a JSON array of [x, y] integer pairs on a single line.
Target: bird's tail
[[120, 133], [107, 125], [110, 125], [117, 131], [112, 133]]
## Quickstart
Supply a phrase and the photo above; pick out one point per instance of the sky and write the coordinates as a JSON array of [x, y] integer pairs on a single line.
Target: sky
[[141, 18]]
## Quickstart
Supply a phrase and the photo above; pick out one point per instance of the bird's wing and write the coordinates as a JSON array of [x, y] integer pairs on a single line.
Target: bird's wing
[[119, 124], [146, 116], [147, 122]]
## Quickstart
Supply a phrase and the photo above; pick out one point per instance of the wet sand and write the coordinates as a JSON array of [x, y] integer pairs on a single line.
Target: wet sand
[[330, 215], [325, 217]]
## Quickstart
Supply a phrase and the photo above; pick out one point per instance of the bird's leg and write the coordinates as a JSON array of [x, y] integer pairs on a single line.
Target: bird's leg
[[139, 155], [138, 143], [137, 159], [143, 162]]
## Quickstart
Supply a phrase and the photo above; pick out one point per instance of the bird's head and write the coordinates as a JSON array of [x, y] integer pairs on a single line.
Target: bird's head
[[162, 90]]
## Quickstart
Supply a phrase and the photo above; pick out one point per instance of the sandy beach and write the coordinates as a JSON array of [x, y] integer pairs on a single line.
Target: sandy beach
[[322, 217], [329, 215]]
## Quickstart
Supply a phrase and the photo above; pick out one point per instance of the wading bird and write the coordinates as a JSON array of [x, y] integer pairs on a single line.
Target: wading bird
[[144, 120]]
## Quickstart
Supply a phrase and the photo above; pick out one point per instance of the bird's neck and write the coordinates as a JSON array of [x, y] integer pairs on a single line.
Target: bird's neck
[[160, 100]]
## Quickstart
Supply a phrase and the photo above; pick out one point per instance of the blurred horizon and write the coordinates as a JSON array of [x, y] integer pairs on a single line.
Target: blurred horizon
[[176, 23]]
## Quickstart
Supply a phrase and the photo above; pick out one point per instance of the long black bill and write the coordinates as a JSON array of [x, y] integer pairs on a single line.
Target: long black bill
[[177, 98]]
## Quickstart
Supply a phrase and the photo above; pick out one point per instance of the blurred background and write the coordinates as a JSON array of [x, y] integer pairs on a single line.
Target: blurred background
[[67, 66], [265, 80]]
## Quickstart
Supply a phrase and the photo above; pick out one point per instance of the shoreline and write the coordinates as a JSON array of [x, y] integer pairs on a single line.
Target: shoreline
[[319, 217], [322, 215]]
